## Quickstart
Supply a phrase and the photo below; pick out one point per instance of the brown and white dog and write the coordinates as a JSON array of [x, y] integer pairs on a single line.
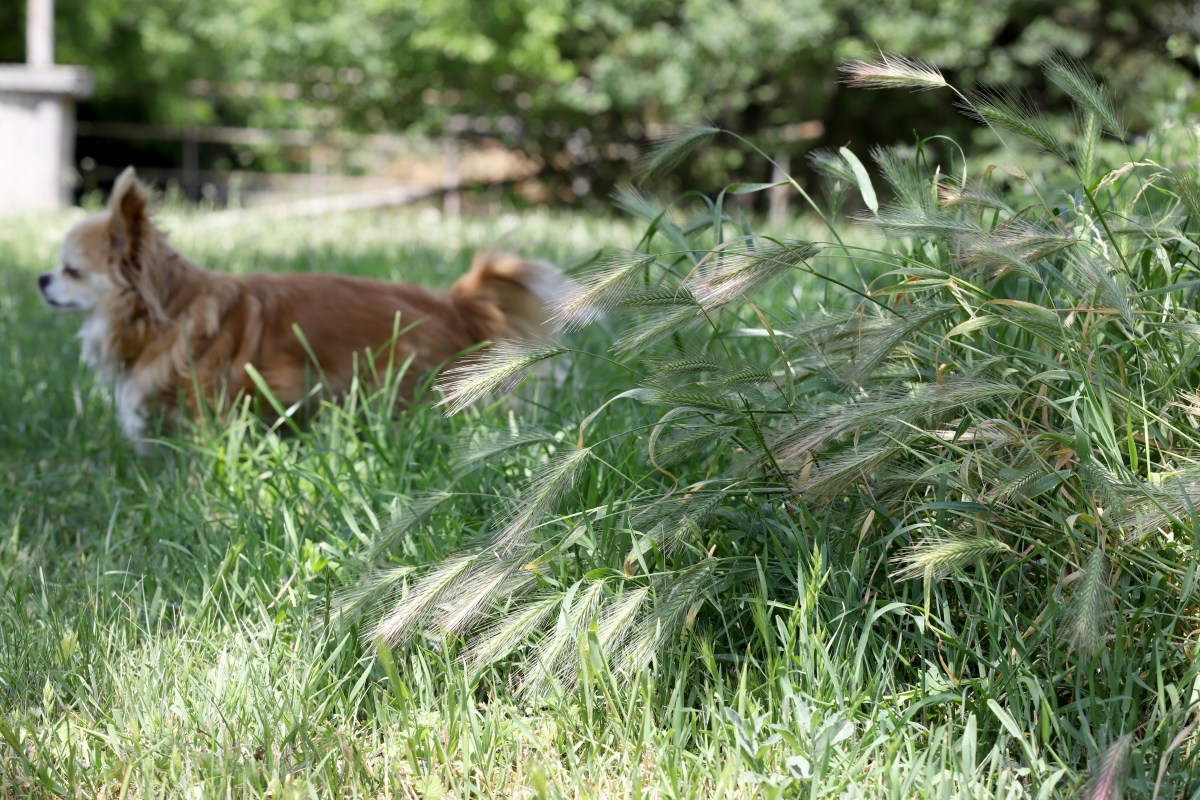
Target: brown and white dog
[[172, 335]]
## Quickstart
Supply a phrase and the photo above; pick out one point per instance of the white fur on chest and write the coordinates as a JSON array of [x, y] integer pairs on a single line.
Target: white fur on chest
[[97, 344], [129, 395]]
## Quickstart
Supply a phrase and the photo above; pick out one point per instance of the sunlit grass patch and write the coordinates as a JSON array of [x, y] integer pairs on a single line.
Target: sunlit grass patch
[[898, 510]]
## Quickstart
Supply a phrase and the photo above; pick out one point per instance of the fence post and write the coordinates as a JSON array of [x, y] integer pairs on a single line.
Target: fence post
[[191, 164]]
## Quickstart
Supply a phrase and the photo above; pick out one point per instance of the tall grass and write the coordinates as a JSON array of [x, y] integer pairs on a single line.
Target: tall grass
[[165, 621], [897, 507], [993, 438]]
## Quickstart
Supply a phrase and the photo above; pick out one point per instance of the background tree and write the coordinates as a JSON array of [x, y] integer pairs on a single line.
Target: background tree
[[574, 83]]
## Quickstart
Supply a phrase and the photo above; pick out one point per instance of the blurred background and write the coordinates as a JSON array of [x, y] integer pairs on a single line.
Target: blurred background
[[246, 102]]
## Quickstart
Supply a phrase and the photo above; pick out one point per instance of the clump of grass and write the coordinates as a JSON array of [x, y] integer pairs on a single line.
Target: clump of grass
[[995, 414], [729, 612]]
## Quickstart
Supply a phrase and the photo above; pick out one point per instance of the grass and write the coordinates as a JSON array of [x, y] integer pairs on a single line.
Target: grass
[[170, 625], [163, 620]]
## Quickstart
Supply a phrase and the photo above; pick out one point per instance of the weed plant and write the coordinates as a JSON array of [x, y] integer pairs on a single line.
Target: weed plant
[[956, 513]]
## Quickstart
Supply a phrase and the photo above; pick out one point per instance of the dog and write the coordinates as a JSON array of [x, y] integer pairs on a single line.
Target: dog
[[175, 337]]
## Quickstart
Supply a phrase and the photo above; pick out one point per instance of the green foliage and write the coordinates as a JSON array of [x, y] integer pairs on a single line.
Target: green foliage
[[163, 624], [573, 83], [997, 415]]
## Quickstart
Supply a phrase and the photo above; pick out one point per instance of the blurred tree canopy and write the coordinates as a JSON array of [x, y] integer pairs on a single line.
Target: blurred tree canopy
[[575, 83]]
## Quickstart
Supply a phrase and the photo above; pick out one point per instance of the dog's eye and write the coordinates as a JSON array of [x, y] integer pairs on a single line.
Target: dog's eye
[[70, 272]]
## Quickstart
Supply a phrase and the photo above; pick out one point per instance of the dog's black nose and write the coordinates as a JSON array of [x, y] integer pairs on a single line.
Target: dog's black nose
[[43, 281]]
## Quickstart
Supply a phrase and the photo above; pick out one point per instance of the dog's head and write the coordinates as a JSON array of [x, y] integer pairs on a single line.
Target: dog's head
[[105, 255]]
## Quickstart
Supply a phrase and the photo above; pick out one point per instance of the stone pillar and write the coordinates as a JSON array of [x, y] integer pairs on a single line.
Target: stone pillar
[[37, 120], [37, 135]]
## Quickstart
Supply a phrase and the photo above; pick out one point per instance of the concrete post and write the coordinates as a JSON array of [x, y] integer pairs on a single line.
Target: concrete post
[[39, 34], [37, 121]]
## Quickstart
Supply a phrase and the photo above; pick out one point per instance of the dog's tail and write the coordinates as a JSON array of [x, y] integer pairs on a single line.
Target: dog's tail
[[505, 296]]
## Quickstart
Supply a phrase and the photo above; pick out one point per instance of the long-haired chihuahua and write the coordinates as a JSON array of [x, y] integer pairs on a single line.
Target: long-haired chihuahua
[[173, 336]]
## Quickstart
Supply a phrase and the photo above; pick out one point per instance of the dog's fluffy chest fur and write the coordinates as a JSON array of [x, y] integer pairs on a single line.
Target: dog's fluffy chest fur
[[99, 348], [189, 348]]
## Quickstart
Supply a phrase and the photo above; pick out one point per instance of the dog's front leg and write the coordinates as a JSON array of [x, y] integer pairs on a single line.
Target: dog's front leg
[[131, 413]]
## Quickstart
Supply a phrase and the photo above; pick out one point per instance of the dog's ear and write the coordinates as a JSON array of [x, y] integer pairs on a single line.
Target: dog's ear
[[129, 222]]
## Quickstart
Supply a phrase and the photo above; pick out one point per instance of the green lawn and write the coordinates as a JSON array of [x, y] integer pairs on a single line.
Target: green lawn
[[165, 621]]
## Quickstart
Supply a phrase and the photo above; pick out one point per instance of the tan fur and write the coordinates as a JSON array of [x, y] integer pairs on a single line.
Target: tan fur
[[164, 329]]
